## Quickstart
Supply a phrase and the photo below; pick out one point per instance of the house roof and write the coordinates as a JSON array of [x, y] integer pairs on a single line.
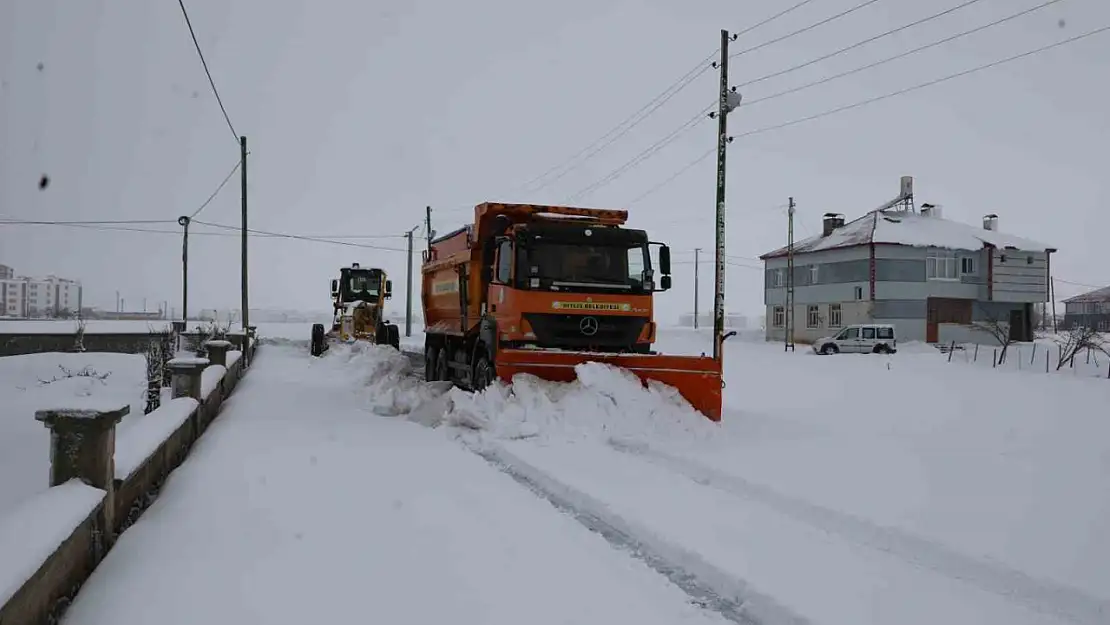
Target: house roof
[[898, 227], [1098, 295]]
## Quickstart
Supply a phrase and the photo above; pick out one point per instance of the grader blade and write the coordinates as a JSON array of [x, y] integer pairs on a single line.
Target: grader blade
[[696, 378]]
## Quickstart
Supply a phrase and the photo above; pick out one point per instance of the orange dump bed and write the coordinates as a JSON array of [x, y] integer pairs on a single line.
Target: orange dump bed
[[697, 378]]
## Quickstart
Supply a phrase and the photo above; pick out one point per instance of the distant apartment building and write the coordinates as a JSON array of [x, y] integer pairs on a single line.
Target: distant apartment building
[[1091, 310], [52, 296]]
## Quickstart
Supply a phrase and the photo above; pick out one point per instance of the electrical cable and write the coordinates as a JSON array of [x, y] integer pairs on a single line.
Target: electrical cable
[[218, 189], [843, 13], [901, 55], [203, 62], [283, 235]]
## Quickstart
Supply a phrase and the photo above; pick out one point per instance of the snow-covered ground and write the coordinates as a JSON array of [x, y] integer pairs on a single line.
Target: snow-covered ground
[[300, 505], [844, 489], [40, 381]]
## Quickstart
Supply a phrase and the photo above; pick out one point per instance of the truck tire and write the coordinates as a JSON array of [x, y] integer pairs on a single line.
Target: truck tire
[[431, 354], [317, 347], [443, 370], [394, 334], [484, 373]]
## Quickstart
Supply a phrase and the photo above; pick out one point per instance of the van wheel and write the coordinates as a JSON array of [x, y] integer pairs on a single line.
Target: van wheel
[[882, 349], [829, 348]]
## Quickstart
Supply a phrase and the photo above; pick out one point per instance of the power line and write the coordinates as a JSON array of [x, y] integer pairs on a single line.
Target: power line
[[643, 155], [900, 55], [283, 235], [773, 17], [888, 33], [923, 85], [25, 222], [843, 13], [859, 104], [623, 127], [218, 189], [215, 91]]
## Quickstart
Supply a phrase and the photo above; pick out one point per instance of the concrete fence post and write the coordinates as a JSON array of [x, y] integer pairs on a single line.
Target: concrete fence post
[[217, 351], [83, 446], [186, 376]]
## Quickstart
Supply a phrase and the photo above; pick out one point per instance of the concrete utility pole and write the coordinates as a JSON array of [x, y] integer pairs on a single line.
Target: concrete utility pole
[[788, 310], [243, 177], [428, 227], [728, 100], [183, 221], [697, 250], [408, 287]]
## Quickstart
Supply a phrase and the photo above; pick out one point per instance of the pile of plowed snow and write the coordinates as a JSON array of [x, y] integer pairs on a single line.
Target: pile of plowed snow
[[603, 402]]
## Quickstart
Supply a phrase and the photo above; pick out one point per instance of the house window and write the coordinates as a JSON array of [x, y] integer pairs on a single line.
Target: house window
[[940, 266], [776, 277], [967, 266], [813, 316], [813, 274], [859, 292], [1029, 260], [834, 316], [778, 317]]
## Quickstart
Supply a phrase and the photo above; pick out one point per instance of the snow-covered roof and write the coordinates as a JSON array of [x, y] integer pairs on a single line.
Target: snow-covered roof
[[897, 227], [1098, 295]]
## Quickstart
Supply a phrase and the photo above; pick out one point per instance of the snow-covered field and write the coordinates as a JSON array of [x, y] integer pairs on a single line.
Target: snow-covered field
[[40, 381], [844, 489]]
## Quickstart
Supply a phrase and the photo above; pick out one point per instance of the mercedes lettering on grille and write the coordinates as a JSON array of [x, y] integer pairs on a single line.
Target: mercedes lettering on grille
[[588, 326]]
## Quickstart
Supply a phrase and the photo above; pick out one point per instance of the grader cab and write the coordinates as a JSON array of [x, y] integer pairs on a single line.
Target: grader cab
[[358, 306]]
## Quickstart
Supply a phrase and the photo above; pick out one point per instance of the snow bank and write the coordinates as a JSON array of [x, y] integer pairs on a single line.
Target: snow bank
[[147, 432], [35, 529], [604, 401], [25, 442], [210, 379]]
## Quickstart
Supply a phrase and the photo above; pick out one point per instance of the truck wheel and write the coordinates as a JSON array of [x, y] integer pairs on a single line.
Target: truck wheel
[[484, 373], [381, 335], [430, 356], [317, 347], [394, 336], [443, 371]]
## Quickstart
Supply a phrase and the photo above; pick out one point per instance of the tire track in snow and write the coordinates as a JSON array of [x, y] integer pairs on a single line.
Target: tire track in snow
[[1046, 597], [708, 586]]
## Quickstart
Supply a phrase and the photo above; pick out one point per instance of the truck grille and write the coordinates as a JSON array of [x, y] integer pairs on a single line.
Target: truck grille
[[586, 331]]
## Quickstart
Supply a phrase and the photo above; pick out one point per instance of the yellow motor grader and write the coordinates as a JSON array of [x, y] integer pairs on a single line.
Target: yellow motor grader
[[358, 303]]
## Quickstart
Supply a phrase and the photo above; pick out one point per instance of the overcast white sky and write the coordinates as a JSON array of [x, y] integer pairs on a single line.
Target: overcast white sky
[[361, 113]]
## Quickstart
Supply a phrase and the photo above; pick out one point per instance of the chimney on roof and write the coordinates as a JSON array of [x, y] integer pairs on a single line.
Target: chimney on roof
[[930, 210], [830, 222], [990, 222]]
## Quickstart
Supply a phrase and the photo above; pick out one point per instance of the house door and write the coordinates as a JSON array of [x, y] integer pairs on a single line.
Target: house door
[[931, 324], [1017, 325]]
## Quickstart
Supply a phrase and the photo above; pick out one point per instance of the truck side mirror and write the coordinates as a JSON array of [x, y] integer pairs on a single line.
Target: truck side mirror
[[664, 282], [335, 287], [388, 289], [664, 260]]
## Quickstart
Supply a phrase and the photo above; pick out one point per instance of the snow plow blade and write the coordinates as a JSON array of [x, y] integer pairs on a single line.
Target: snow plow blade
[[696, 378]]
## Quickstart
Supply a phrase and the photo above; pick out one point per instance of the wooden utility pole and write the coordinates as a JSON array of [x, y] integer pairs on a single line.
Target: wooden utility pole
[[788, 311], [243, 177], [1052, 296], [697, 250], [408, 287], [728, 99]]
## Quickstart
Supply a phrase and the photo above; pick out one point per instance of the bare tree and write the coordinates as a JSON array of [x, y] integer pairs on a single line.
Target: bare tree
[[79, 336], [999, 331], [1077, 339], [154, 372]]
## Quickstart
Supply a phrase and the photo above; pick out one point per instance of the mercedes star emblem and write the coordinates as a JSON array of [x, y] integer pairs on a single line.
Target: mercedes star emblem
[[588, 326]]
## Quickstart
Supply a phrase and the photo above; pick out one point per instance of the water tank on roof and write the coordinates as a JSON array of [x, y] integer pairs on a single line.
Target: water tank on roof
[[907, 186]]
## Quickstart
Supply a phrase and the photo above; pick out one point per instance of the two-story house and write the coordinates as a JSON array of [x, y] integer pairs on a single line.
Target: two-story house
[[1091, 310], [932, 278]]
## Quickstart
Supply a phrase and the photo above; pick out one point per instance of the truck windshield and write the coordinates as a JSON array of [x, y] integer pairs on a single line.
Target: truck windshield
[[610, 266], [364, 286]]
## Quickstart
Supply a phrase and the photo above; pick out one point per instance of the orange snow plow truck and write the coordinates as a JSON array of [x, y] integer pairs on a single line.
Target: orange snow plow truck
[[540, 289]]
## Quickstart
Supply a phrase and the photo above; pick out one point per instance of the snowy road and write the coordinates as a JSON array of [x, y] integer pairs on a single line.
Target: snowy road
[[301, 506]]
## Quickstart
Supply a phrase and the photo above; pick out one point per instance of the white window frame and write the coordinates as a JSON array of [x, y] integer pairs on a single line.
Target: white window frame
[[967, 266], [814, 273], [836, 316], [778, 317], [813, 316], [858, 291], [777, 277], [937, 260]]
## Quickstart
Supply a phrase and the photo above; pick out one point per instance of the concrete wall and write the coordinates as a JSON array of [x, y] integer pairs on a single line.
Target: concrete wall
[[20, 344], [1020, 276], [842, 276], [42, 598], [850, 313]]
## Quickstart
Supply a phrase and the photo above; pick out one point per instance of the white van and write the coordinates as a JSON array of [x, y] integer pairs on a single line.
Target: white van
[[861, 338]]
